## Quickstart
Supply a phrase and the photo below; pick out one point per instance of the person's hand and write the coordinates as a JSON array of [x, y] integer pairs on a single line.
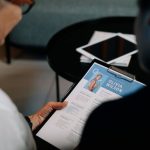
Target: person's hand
[[41, 115]]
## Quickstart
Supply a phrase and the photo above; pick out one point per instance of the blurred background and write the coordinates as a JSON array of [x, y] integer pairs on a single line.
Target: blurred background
[[28, 79]]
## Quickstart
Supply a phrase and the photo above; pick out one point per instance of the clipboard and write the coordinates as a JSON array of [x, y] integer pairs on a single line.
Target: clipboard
[[116, 71], [64, 127], [121, 74]]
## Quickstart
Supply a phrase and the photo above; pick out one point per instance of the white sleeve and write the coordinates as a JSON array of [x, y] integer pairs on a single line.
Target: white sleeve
[[15, 134]]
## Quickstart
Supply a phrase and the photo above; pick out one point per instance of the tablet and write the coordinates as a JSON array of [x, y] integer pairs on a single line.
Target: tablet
[[109, 50], [100, 83]]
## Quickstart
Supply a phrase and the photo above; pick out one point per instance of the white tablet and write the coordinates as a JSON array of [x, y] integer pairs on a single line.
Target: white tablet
[[109, 50]]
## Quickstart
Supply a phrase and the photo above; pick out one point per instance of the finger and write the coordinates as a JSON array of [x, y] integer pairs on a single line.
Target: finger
[[57, 105], [49, 107], [45, 111]]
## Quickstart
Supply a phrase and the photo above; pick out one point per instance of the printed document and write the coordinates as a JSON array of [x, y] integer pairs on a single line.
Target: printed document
[[99, 84]]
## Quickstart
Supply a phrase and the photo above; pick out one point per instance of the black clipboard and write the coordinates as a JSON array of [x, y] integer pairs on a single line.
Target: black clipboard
[[117, 72], [111, 69]]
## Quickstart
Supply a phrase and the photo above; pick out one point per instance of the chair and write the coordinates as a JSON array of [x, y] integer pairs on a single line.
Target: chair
[[47, 17]]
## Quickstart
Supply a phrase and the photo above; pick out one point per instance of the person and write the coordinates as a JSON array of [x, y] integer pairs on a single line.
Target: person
[[120, 124], [94, 83], [15, 129], [124, 123]]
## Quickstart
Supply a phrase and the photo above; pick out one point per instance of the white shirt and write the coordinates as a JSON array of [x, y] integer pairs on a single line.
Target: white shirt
[[15, 133]]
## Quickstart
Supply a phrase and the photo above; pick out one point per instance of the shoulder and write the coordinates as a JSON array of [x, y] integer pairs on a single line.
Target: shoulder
[[13, 126], [113, 121]]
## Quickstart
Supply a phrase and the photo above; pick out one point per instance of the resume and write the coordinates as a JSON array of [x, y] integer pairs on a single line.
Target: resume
[[64, 128]]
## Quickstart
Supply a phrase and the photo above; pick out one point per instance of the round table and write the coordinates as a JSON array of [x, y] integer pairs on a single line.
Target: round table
[[61, 49], [62, 55]]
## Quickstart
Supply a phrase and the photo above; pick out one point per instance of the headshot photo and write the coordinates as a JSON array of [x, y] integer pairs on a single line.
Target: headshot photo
[[94, 83]]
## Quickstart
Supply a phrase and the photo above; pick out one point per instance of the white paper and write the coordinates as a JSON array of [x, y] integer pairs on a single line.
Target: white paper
[[120, 62], [64, 128], [100, 36]]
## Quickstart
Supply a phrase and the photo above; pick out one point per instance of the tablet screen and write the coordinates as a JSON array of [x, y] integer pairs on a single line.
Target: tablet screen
[[111, 48]]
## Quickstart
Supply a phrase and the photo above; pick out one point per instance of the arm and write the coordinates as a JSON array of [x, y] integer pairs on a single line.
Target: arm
[[96, 131]]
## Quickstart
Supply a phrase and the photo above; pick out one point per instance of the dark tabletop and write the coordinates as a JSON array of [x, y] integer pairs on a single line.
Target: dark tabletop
[[62, 55]]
